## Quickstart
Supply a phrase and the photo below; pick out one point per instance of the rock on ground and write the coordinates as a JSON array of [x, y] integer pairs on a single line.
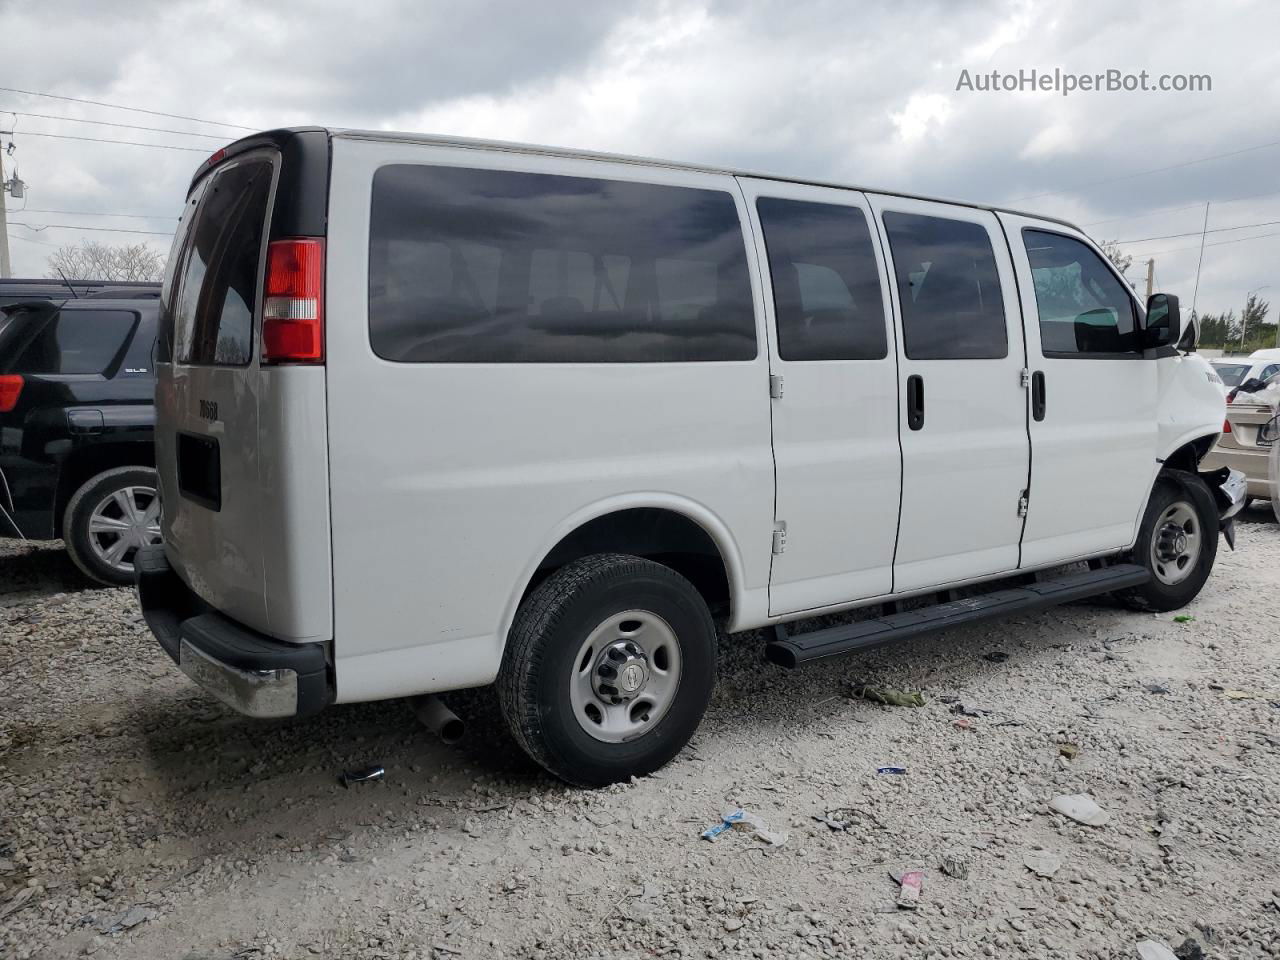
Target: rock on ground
[[140, 819]]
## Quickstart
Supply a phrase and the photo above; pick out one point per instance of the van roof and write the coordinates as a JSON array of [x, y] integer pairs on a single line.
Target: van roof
[[275, 137], [1266, 353]]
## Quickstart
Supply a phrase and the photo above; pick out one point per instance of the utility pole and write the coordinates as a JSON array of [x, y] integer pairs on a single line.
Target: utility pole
[[5, 271], [1151, 275]]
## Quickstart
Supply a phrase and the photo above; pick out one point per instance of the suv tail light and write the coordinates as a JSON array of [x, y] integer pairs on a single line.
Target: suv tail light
[[10, 388], [293, 302], [1226, 426]]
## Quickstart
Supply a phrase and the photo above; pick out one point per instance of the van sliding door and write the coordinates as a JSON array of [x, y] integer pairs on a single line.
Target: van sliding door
[[835, 409], [965, 451]]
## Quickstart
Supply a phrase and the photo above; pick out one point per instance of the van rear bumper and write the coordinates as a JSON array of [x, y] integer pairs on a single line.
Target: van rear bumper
[[251, 673]]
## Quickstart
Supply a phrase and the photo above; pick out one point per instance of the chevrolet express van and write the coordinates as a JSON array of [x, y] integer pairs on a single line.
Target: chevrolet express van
[[438, 413]]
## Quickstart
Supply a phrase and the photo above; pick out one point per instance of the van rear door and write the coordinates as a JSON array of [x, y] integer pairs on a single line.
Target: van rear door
[[241, 438]]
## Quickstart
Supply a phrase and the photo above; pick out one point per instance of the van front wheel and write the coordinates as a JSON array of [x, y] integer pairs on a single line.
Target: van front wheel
[[1177, 543], [608, 669]]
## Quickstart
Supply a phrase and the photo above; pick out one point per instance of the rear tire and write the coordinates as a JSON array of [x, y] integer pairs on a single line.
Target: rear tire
[[608, 670], [1177, 543], [108, 519]]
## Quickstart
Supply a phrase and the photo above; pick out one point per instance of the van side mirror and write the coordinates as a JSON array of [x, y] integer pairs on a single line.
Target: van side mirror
[[1269, 431], [1164, 321]]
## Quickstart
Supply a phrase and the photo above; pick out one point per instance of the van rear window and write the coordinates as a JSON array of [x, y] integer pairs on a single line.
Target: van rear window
[[215, 287], [476, 266]]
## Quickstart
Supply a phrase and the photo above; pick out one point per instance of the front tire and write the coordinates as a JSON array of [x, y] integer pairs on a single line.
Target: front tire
[[608, 670], [1177, 543], [109, 519]]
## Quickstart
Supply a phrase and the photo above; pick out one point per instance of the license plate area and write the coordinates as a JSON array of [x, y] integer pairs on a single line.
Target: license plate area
[[200, 470]]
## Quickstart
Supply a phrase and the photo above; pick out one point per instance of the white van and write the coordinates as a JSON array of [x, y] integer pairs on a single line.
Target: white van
[[437, 413]]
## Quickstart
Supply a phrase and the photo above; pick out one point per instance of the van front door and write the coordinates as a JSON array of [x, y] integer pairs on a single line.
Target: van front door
[[835, 408], [1093, 423], [963, 426]]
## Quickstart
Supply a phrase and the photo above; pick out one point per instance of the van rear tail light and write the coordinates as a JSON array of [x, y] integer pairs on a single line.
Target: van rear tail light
[[10, 389], [1226, 426], [293, 302]]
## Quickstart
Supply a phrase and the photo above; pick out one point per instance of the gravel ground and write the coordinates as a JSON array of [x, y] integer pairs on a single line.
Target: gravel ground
[[140, 819]]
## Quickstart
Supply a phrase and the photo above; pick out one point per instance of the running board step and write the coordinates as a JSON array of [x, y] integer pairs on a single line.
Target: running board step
[[792, 650]]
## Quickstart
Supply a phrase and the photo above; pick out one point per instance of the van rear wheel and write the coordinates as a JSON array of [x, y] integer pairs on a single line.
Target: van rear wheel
[[109, 519], [1177, 543], [608, 670]]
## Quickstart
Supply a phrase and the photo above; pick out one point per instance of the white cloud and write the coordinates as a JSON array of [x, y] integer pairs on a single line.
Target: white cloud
[[922, 112]]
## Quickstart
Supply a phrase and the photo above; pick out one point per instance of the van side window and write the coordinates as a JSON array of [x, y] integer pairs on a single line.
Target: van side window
[[1084, 310], [77, 341], [218, 283], [492, 266], [826, 288], [952, 305]]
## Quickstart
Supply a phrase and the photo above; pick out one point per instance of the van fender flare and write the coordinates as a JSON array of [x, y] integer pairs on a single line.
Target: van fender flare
[[1170, 457], [699, 513]]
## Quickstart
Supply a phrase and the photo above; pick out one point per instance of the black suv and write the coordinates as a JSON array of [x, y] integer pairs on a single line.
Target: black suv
[[77, 421]]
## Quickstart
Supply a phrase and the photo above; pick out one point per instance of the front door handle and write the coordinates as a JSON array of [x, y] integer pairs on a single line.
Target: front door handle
[[1037, 395], [915, 401]]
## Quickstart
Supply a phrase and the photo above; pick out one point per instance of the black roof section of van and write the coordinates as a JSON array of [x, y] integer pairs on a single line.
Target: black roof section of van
[[301, 148], [302, 191]]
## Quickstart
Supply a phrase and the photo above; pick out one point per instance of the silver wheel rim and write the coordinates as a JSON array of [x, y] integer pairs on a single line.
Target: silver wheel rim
[[1175, 543], [625, 676], [122, 522]]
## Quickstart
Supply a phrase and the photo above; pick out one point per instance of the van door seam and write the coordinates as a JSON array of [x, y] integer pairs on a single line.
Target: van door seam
[[1026, 363]]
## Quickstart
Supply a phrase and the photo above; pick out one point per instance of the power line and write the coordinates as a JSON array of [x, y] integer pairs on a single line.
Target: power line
[[1196, 233], [74, 226], [127, 143], [43, 243], [1142, 173], [95, 213], [117, 106], [1154, 211], [107, 123], [1219, 243]]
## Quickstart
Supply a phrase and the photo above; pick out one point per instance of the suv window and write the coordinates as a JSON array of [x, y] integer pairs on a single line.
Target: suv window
[[218, 280], [949, 286], [476, 266], [826, 288], [1084, 309], [77, 341]]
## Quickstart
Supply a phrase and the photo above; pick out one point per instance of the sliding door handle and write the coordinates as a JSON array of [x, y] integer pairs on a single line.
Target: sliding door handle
[[915, 401], [1037, 396]]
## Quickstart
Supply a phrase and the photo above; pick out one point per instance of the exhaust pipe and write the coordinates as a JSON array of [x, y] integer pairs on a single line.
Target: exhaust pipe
[[438, 718]]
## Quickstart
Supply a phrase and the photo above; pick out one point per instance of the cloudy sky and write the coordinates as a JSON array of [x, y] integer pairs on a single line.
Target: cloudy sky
[[861, 93]]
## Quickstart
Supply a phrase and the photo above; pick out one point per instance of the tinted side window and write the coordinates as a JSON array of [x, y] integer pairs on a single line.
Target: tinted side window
[[952, 305], [77, 341], [1083, 308], [216, 291], [826, 290], [475, 266]]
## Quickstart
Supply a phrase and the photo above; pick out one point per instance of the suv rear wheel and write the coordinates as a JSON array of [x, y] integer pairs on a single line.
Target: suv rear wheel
[[108, 519], [1177, 543], [608, 669]]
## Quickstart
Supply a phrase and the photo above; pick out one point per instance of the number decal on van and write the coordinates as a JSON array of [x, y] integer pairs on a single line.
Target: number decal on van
[[208, 410]]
